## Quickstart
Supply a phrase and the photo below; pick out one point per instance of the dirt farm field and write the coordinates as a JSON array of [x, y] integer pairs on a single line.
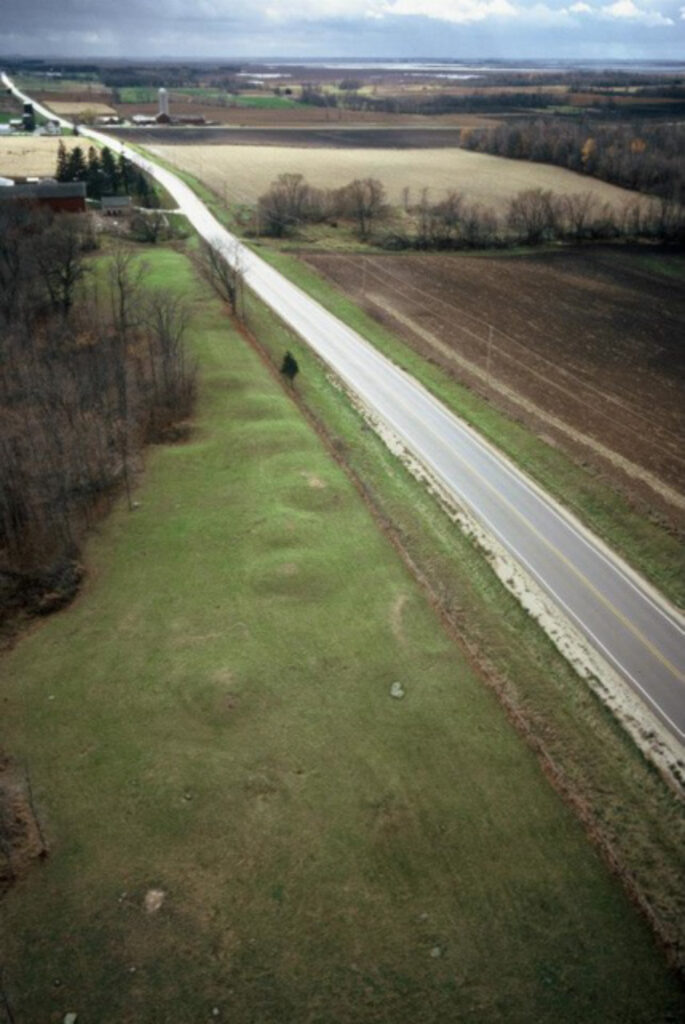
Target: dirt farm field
[[586, 346], [329, 136], [67, 107], [247, 171], [28, 155]]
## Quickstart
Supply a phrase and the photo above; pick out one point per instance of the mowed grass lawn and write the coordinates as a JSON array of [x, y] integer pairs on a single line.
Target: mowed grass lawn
[[213, 719]]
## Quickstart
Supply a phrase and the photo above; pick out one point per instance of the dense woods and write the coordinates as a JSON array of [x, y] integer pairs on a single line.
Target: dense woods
[[641, 156], [92, 366], [432, 104]]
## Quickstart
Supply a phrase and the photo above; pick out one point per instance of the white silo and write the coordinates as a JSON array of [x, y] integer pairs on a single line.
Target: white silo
[[164, 102]]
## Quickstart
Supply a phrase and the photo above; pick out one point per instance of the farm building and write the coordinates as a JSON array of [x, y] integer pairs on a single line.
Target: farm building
[[61, 197], [115, 206]]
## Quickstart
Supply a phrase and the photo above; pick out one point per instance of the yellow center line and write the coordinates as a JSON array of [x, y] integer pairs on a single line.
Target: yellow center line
[[548, 544]]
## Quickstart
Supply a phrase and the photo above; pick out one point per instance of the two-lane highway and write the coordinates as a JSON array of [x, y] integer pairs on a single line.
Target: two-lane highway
[[634, 630]]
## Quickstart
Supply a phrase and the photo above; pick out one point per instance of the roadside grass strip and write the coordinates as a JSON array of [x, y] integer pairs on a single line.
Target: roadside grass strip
[[271, 784]]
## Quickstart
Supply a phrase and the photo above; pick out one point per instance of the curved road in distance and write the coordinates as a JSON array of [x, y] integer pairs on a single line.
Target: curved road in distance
[[622, 617]]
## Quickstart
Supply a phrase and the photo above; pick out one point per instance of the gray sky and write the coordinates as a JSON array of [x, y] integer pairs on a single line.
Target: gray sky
[[225, 29]]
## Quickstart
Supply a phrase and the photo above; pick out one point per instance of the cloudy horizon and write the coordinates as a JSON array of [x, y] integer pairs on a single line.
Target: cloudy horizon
[[363, 29]]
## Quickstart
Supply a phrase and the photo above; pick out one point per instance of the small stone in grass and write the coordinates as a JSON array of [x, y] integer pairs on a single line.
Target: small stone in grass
[[397, 691], [153, 900]]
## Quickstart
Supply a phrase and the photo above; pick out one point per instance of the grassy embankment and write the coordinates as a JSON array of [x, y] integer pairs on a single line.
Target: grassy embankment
[[213, 718], [639, 825]]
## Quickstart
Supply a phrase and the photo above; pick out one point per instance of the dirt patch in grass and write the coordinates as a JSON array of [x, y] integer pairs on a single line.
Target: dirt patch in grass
[[583, 345], [21, 838], [396, 613], [28, 595], [314, 481]]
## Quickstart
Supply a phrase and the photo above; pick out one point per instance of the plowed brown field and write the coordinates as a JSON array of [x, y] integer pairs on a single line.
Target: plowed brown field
[[585, 345]]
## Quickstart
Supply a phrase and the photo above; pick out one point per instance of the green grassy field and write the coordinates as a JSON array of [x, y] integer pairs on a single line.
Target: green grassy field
[[144, 94], [41, 83], [213, 718]]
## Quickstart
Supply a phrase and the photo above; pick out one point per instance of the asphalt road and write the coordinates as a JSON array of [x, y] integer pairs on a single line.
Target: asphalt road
[[624, 619]]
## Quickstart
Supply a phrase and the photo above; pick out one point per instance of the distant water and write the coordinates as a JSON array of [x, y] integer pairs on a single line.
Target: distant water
[[475, 69]]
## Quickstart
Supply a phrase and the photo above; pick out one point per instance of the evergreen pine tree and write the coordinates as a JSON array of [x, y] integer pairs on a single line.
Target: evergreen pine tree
[[141, 188], [289, 368], [125, 176], [76, 165], [94, 180], [110, 171], [62, 171]]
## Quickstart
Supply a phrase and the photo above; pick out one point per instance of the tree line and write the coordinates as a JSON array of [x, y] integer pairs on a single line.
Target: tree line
[[532, 216], [431, 104], [92, 366], [641, 156], [104, 174]]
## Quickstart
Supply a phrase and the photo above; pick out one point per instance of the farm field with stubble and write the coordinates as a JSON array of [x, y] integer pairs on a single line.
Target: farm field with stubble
[[243, 173], [583, 344], [242, 818], [28, 155]]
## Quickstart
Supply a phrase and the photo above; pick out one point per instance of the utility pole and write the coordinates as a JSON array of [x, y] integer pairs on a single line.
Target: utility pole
[[489, 353]]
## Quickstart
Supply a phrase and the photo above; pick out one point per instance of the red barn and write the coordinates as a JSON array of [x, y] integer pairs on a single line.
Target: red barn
[[59, 196]]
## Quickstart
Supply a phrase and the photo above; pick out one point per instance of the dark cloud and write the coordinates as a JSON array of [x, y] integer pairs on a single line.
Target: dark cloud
[[610, 29]]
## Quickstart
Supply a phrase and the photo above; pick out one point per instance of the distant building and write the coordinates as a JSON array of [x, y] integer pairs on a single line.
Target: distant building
[[28, 118], [143, 119], [115, 206], [60, 196]]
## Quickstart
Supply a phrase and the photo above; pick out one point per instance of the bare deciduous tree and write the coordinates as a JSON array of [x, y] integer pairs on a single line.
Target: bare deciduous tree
[[222, 267], [60, 259], [150, 225], [578, 210], [364, 200], [72, 415], [289, 202], [533, 214]]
